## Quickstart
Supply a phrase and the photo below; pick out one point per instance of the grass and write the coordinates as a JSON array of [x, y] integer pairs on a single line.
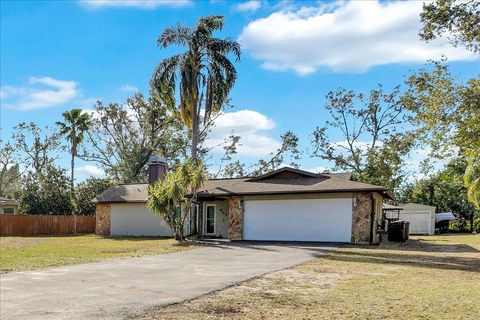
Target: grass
[[27, 253], [435, 277]]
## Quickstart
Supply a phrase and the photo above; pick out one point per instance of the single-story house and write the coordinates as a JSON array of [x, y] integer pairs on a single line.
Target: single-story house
[[8, 206], [284, 205], [420, 216]]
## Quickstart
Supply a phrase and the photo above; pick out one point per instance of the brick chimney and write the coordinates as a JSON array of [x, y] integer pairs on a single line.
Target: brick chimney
[[157, 168]]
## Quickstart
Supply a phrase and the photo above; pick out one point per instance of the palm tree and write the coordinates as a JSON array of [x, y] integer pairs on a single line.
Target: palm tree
[[76, 123], [167, 197], [205, 74]]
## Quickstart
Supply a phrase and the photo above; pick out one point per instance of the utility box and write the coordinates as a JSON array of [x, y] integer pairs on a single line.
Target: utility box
[[398, 231]]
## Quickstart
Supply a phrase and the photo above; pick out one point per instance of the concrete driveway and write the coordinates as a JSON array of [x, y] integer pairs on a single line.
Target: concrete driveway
[[123, 288]]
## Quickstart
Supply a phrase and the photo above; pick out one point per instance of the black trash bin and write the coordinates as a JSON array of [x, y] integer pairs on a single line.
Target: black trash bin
[[407, 230], [397, 231]]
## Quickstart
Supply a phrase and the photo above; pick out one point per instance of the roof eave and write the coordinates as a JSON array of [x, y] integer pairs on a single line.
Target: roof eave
[[118, 201], [201, 195]]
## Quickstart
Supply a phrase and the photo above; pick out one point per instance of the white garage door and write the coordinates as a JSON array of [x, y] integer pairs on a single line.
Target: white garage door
[[420, 222], [328, 220]]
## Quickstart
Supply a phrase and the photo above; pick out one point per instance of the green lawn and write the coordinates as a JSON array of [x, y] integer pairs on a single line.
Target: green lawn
[[436, 277], [26, 253]]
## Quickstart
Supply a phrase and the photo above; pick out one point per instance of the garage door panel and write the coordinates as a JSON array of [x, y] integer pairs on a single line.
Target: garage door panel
[[328, 220], [419, 222]]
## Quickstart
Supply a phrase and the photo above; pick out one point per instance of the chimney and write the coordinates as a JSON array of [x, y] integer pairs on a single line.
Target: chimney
[[157, 168]]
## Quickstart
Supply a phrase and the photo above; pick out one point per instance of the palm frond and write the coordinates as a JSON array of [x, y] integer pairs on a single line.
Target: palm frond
[[177, 35]]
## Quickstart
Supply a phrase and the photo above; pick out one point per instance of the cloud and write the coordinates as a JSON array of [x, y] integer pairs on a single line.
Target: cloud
[[138, 4], [251, 5], [89, 171], [343, 36], [83, 103], [128, 88], [40, 93], [250, 126]]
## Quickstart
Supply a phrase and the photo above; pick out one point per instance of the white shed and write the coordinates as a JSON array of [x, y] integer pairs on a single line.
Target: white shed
[[420, 216]]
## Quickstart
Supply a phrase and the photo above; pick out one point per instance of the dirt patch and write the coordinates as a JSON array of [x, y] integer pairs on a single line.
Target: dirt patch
[[392, 281], [289, 287]]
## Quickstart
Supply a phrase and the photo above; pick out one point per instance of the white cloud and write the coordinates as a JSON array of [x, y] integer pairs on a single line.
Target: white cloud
[[343, 36], [86, 102], [250, 126], [251, 5], [40, 93], [128, 88], [139, 4], [87, 171]]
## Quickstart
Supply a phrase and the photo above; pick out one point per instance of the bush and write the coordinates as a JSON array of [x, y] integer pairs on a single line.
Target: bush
[[476, 224], [86, 191], [463, 225]]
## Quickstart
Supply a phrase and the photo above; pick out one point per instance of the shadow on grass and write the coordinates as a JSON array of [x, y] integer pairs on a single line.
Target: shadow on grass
[[427, 246], [411, 256]]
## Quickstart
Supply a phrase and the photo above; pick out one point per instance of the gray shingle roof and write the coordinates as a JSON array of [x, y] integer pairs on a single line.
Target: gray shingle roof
[[137, 192], [340, 175], [282, 186], [311, 183]]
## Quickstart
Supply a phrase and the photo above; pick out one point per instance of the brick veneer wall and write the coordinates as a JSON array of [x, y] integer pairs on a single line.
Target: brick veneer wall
[[235, 218], [102, 219], [361, 217]]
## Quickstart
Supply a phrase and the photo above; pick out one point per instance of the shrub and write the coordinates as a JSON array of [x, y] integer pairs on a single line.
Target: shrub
[[86, 191]]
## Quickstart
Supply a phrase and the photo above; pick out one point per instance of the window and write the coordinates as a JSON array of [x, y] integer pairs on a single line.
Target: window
[[210, 219], [178, 213], [8, 210]]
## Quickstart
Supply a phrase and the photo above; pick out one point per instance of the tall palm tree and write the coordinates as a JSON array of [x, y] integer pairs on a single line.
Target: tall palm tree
[[204, 73], [75, 125]]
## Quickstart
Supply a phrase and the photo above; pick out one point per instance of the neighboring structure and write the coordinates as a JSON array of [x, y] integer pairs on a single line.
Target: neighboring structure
[[283, 205], [420, 216], [8, 206], [391, 212]]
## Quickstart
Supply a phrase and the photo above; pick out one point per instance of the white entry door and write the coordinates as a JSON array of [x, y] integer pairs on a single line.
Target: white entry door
[[322, 220]]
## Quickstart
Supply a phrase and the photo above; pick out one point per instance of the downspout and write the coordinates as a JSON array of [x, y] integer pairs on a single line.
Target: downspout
[[372, 215]]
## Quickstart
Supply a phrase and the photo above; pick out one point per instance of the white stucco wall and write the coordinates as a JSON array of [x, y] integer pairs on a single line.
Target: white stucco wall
[[133, 219]]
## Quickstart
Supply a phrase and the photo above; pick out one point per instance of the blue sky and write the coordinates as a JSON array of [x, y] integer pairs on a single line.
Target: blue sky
[[56, 55]]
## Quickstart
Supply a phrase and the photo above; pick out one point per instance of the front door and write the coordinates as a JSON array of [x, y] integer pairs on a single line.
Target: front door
[[210, 219]]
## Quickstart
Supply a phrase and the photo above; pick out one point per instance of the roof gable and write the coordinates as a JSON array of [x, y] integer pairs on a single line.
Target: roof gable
[[287, 173]]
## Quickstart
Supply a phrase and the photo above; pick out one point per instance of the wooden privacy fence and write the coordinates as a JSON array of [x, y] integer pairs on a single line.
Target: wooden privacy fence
[[32, 225]]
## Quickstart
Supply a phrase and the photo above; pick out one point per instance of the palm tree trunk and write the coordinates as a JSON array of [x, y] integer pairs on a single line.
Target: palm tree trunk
[[72, 167], [195, 131]]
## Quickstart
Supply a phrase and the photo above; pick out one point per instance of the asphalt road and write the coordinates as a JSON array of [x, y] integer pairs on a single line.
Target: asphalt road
[[122, 288]]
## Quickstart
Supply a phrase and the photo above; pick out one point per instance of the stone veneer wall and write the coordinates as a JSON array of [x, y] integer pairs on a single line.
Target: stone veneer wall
[[235, 218], [102, 218], [361, 217]]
